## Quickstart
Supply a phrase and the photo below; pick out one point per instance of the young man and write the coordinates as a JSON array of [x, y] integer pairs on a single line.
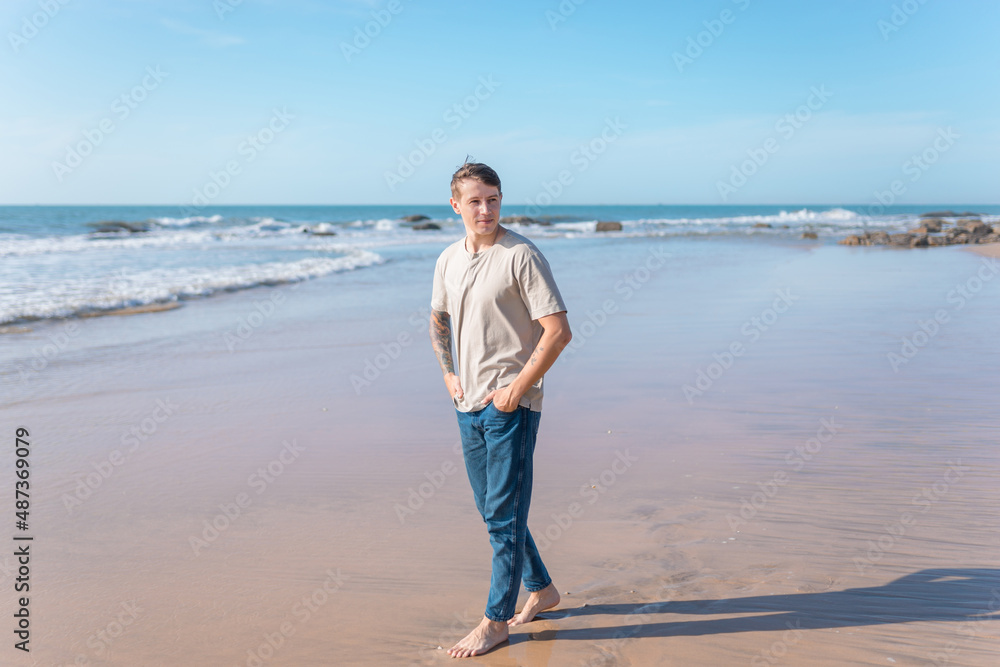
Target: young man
[[495, 297]]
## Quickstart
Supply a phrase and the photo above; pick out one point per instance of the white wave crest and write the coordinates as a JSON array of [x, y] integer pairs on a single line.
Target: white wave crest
[[184, 222], [833, 216], [127, 289]]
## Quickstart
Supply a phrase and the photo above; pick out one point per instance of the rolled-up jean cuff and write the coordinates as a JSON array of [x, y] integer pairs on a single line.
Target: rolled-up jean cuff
[[498, 620], [540, 588]]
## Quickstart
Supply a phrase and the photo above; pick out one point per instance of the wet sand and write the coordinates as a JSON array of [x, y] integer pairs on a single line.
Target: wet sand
[[987, 249], [817, 503], [135, 310]]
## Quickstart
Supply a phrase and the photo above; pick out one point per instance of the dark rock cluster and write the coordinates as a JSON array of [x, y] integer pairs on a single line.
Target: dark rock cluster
[[523, 220], [933, 230], [419, 223]]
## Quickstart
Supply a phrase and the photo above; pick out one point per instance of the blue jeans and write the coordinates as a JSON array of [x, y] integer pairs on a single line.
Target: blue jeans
[[498, 448]]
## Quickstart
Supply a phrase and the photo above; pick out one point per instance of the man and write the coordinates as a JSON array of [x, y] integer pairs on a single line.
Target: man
[[495, 297]]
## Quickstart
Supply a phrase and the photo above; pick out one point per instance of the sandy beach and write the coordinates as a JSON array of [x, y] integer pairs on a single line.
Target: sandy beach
[[809, 500], [770, 437], [987, 250]]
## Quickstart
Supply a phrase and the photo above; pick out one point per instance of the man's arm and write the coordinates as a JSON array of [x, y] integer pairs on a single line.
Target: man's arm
[[440, 331], [555, 337]]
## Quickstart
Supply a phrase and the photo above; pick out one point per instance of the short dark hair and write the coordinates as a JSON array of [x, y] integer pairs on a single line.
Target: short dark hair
[[476, 171]]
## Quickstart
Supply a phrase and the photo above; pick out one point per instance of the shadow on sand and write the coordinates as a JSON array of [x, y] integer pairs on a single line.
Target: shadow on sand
[[946, 594]]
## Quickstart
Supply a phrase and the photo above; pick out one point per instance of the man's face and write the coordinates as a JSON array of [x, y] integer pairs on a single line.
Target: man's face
[[479, 206]]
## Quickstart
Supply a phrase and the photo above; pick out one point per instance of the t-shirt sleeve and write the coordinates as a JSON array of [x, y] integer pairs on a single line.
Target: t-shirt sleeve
[[439, 295], [538, 286]]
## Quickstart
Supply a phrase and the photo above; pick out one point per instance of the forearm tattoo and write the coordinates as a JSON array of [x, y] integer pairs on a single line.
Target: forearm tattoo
[[441, 339]]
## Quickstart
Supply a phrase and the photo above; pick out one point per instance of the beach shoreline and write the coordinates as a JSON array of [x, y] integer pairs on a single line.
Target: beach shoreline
[[986, 249], [236, 492]]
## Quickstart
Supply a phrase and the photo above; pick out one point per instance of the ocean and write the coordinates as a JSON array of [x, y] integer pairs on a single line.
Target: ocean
[[69, 261]]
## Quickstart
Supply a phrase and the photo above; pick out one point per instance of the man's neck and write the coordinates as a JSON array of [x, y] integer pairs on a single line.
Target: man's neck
[[475, 244]]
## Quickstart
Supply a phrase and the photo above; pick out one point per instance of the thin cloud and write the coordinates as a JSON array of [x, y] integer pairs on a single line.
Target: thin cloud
[[211, 38]]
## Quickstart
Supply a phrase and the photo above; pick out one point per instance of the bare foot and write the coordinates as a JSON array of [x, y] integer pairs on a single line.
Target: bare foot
[[547, 598], [487, 635]]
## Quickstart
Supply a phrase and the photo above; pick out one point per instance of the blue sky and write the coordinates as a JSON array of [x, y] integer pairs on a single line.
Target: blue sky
[[376, 123]]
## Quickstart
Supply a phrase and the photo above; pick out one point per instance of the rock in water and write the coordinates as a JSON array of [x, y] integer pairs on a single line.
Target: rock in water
[[866, 238], [964, 231], [957, 235], [522, 220], [414, 218], [118, 226], [929, 226], [424, 226], [609, 227], [975, 227]]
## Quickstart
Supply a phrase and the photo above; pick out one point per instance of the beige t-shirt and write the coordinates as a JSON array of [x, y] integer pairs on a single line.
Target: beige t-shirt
[[494, 298]]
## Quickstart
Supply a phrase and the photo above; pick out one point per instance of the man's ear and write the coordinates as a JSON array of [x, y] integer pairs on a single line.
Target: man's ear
[[454, 205]]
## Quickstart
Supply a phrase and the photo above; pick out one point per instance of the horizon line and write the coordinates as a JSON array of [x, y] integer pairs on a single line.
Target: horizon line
[[550, 206]]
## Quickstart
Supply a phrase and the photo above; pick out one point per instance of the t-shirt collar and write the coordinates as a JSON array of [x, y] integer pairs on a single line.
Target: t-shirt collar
[[474, 255]]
